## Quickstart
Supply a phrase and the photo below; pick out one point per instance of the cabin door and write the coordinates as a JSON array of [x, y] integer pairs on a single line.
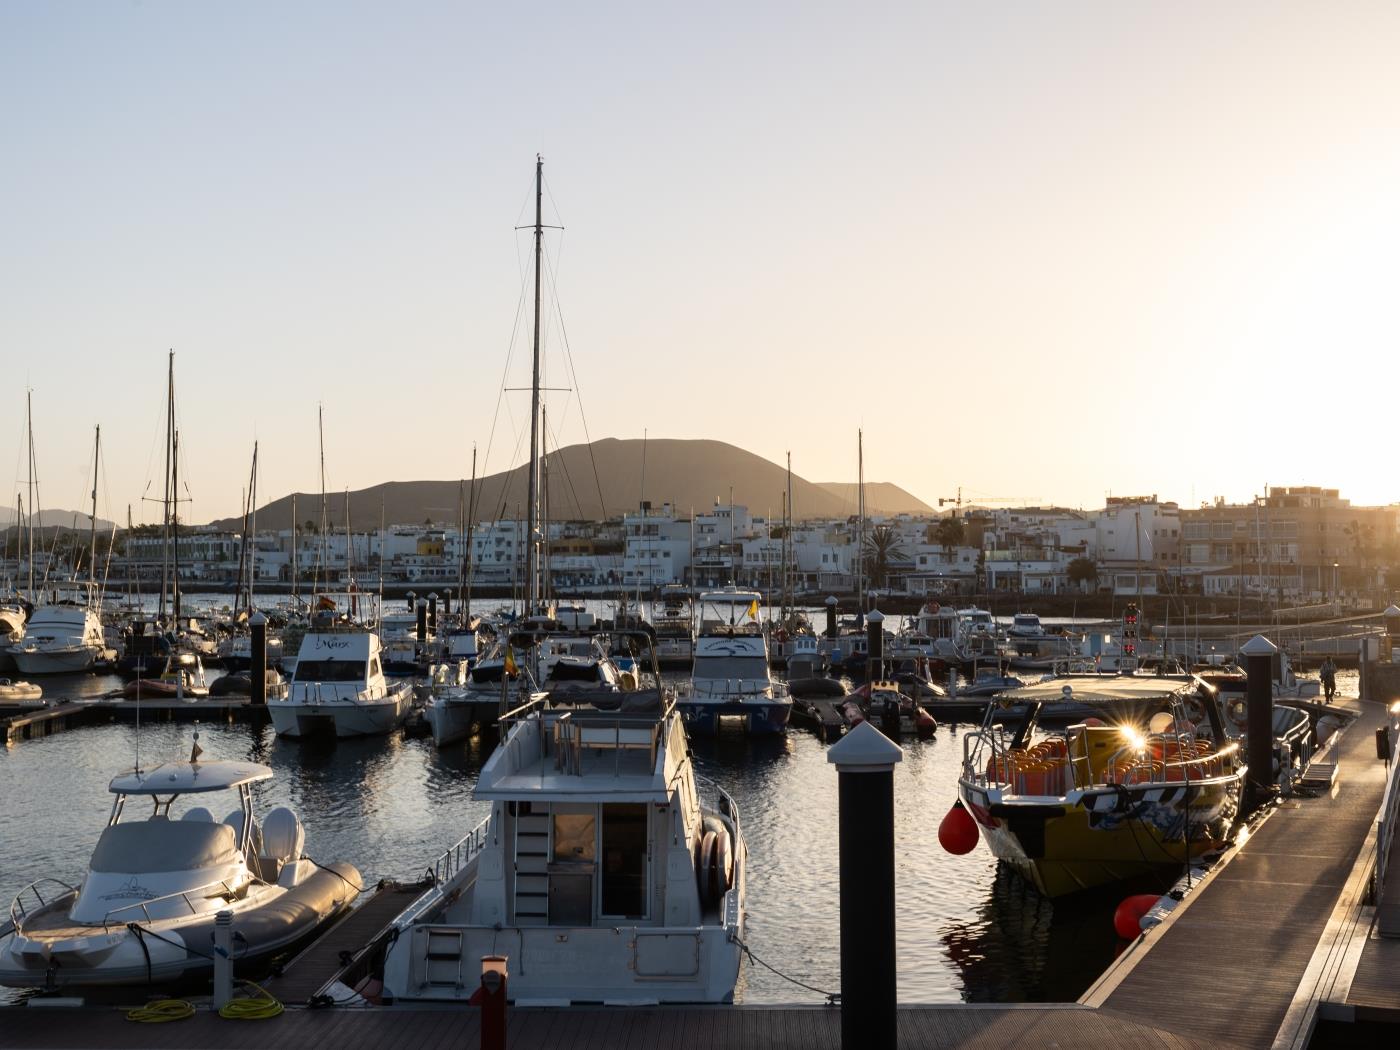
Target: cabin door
[[626, 858]]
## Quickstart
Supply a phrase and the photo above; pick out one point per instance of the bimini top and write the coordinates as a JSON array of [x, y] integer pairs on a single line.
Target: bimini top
[[1105, 689], [181, 778]]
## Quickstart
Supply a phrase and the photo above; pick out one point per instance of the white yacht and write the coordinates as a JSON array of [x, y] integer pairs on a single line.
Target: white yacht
[[339, 685], [12, 617], [145, 912], [730, 679], [460, 706], [64, 635], [600, 873], [675, 627]]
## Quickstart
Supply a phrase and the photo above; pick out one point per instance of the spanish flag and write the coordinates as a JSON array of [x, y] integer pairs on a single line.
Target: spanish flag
[[753, 609], [511, 669]]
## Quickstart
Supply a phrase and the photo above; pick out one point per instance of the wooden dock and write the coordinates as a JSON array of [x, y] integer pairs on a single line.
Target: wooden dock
[[647, 1028], [62, 715], [343, 947], [1243, 957]]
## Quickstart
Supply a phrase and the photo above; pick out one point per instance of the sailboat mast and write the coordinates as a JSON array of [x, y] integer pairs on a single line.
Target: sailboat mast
[[860, 522], [29, 426], [532, 511], [787, 541], [253, 552], [471, 536], [92, 531], [324, 564], [461, 533], [175, 522], [296, 542], [165, 525], [349, 545]]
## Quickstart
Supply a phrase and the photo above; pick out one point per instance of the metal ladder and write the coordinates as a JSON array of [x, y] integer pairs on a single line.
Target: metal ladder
[[531, 867]]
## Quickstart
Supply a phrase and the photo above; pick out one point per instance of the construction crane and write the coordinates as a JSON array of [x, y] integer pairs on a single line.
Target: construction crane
[[957, 500]]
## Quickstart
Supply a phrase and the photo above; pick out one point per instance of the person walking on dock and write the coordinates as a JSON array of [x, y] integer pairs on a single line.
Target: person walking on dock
[[1329, 679]]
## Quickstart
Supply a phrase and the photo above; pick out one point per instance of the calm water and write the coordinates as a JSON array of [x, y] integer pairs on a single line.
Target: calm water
[[388, 805]]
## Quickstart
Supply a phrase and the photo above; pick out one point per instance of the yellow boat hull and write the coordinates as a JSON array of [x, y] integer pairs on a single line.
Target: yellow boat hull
[[1064, 846]]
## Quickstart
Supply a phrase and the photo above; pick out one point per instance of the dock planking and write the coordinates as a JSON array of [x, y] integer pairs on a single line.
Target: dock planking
[[332, 952], [70, 714], [643, 1028], [1230, 963]]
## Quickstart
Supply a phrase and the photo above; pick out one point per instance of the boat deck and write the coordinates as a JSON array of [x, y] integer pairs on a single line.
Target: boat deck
[[1251, 951]]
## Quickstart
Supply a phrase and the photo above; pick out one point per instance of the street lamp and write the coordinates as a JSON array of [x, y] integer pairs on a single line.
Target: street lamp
[[1335, 594]]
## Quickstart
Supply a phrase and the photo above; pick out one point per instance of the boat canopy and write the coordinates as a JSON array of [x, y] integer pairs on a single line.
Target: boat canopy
[[1102, 689], [182, 778]]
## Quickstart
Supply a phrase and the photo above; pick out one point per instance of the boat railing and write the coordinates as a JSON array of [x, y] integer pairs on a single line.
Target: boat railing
[[455, 857], [181, 895], [617, 734], [1390, 803], [18, 912]]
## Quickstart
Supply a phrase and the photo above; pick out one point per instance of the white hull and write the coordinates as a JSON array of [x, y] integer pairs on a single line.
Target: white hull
[[622, 966], [367, 718], [451, 722], [55, 661]]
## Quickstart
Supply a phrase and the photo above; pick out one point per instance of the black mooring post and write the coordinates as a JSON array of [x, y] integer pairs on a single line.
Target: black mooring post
[[257, 659], [831, 616], [1259, 654], [875, 646], [422, 620], [412, 601], [432, 612], [865, 760]]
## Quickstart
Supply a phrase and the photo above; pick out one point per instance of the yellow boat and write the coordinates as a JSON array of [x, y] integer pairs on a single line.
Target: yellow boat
[[1148, 775]]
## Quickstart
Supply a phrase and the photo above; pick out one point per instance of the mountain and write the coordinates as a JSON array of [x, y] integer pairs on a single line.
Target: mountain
[[881, 498], [60, 518], [689, 474]]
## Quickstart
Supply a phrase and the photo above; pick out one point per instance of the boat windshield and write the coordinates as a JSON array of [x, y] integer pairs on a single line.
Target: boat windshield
[[330, 671], [730, 667]]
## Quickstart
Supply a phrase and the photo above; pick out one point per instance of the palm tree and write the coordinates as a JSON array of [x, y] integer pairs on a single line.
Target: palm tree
[[1082, 571], [881, 550]]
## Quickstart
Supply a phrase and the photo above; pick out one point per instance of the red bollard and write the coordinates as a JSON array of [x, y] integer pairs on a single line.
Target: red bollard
[[491, 997]]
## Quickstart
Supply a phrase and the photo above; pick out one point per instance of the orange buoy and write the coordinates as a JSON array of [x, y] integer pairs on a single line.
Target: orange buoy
[[1128, 914], [958, 832]]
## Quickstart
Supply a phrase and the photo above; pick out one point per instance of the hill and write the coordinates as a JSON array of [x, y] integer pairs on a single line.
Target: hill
[[689, 474], [63, 519], [881, 498]]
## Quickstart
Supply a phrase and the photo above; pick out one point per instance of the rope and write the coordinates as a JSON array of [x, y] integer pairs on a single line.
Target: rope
[[832, 998], [257, 1008], [160, 1011], [354, 886]]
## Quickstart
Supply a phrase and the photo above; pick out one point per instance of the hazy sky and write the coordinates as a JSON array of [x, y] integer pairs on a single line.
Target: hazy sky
[[1050, 250]]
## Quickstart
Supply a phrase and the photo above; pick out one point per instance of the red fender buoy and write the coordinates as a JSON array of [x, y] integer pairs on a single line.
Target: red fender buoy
[[1128, 914], [958, 831]]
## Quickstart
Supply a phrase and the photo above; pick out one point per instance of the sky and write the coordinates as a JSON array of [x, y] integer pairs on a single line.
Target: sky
[[1038, 251]]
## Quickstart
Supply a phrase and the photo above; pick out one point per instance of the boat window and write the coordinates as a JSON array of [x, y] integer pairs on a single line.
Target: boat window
[[330, 671], [573, 836], [624, 889], [571, 672], [730, 667]]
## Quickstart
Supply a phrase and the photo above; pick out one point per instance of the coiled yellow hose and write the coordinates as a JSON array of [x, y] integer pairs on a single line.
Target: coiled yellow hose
[[161, 1010], [258, 1008]]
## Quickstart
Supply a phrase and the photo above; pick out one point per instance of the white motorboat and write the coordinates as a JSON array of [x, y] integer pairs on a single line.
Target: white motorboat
[[600, 873], [461, 707], [730, 679], [63, 636], [12, 617], [145, 912], [339, 685]]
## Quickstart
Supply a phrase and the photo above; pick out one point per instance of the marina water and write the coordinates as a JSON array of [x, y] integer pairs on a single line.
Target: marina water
[[389, 805]]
